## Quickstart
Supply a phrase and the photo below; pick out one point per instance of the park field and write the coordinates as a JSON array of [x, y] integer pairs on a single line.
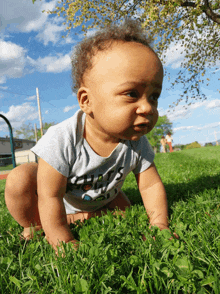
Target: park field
[[112, 256]]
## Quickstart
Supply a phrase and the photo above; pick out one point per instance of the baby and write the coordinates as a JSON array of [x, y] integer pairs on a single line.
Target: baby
[[85, 159]]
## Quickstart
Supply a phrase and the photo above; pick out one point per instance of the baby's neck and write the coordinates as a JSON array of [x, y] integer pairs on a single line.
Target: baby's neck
[[101, 143]]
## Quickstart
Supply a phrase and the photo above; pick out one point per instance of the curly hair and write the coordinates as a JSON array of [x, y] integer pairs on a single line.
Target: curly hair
[[129, 31]]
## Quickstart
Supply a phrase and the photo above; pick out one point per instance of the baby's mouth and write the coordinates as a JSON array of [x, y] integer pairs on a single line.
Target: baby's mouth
[[141, 127], [144, 125]]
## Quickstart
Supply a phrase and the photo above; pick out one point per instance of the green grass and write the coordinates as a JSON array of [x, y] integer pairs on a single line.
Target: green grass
[[8, 167], [113, 258]]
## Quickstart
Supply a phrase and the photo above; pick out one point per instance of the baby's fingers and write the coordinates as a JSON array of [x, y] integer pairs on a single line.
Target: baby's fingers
[[75, 244], [175, 235]]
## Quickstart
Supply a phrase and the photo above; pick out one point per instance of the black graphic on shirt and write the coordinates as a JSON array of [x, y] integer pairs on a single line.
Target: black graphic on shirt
[[99, 183]]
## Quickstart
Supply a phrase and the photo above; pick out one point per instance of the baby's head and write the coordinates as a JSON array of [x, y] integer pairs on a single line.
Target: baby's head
[[118, 80], [82, 58]]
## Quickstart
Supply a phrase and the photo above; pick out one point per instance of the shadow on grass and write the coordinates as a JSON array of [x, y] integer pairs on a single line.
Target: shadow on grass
[[180, 191]]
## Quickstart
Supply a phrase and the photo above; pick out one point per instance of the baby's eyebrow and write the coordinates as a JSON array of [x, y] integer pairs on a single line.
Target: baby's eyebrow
[[142, 83]]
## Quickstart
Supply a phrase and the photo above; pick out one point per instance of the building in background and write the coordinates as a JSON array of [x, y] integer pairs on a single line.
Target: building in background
[[22, 151]]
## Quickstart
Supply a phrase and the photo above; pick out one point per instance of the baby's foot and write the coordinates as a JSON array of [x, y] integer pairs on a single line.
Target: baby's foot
[[28, 233]]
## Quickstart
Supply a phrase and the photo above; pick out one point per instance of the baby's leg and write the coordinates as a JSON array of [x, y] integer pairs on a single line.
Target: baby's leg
[[21, 197], [120, 202]]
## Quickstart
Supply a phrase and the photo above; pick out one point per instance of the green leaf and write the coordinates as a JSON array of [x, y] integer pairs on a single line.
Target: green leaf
[[134, 260], [198, 273], [208, 281], [81, 286], [183, 265], [166, 234], [15, 281], [38, 267], [167, 272]]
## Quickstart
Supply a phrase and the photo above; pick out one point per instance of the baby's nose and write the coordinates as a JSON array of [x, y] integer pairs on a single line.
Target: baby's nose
[[145, 107]]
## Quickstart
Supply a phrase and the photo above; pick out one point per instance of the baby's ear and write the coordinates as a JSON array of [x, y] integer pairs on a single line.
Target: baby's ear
[[84, 101]]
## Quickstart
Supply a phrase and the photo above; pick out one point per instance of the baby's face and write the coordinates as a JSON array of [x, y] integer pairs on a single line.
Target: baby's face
[[123, 86]]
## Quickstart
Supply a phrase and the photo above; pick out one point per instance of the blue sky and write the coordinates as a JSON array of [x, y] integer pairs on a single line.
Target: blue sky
[[34, 54]]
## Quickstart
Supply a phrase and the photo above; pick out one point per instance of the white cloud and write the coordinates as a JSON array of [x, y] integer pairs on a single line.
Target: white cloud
[[198, 128], [68, 108], [213, 104], [198, 104], [88, 34], [180, 112], [2, 78], [50, 33], [19, 114], [184, 128], [30, 98], [10, 50], [23, 15], [176, 51], [53, 64], [12, 61], [186, 111], [69, 40], [47, 111], [174, 56]]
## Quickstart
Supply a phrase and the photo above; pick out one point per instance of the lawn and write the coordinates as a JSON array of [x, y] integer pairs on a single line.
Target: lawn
[[8, 167], [113, 258]]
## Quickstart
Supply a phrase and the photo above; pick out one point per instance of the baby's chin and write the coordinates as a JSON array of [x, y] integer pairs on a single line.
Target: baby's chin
[[134, 138]]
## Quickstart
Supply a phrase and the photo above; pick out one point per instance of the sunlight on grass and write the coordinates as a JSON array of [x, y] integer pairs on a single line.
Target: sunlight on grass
[[113, 258]]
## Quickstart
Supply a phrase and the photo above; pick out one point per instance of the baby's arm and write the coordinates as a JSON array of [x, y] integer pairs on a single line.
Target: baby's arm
[[154, 197], [51, 187]]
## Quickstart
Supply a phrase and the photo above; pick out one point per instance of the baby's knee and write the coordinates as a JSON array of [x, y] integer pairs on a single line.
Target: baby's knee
[[21, 179]]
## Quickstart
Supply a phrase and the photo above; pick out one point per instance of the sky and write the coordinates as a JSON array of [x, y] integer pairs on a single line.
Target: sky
[[33, 54]]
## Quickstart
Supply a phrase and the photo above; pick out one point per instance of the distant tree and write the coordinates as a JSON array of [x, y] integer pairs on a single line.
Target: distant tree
[[192, 26], [179, 146], [27, 131], [208, 144], [162, 127], [193, 145]]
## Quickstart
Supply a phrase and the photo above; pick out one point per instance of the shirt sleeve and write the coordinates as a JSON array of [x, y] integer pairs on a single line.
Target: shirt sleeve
[[145, 155], [56, 149]]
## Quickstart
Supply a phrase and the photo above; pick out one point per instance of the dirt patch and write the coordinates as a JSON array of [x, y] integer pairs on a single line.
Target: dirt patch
[[2, 177]]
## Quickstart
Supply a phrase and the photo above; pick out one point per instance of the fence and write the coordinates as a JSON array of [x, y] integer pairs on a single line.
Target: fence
[[6, 161]]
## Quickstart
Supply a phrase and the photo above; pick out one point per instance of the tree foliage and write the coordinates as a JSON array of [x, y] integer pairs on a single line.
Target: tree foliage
[[27, 131], [193, 145], [162, 127], [179, 146], [208, 144], [192, 26]]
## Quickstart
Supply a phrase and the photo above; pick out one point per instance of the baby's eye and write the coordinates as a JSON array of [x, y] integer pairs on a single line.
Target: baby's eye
[[155, 97], [132, 94]]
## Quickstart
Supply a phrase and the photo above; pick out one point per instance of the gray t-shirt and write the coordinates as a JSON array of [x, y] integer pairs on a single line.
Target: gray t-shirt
[[93, 180]]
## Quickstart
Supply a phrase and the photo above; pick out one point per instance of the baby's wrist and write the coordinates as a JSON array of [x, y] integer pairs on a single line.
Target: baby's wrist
[[161, 226]]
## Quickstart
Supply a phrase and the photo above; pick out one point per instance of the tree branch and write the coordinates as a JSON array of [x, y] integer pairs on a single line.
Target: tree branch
[[209, 12], [205, 8], [188, 4]]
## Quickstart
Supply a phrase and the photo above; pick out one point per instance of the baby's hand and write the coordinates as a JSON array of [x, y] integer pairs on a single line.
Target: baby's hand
[[59, 249], [165, 227], [71, 245], [75, 244], [162, 227]]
